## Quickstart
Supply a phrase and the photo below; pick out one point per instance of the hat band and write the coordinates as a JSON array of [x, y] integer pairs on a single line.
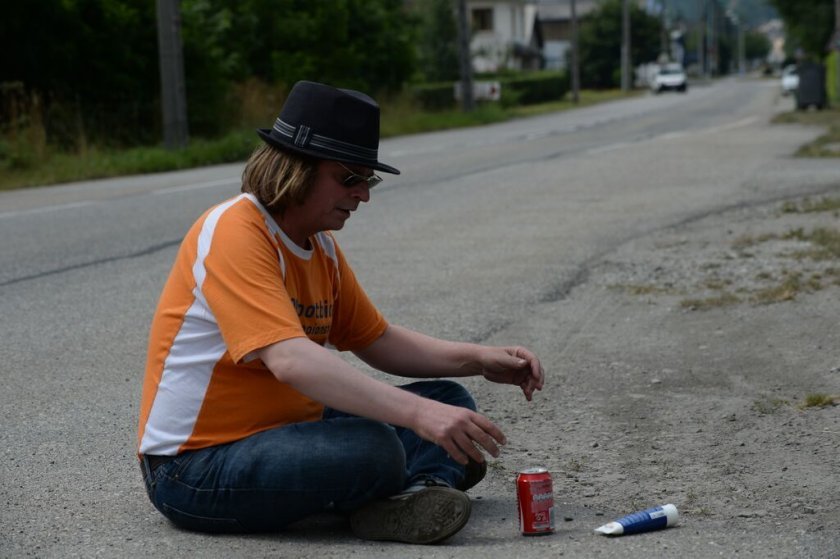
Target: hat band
[[303, 137]]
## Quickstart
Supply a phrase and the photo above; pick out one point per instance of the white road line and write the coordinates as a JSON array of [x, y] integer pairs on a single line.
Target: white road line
[[672, 135], [732, 125], [45, 209], [608, 148], [197, 186], [172, 190]]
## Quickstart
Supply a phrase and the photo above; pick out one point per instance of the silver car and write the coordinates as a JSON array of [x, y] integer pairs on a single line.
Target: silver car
[[669, 77], [790, 80]]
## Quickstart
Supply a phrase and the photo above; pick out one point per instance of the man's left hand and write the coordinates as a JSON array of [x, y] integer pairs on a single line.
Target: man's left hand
[[513, 365]]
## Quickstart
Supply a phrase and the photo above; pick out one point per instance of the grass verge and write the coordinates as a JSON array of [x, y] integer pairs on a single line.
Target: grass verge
[[820, 401], [807, 205], [96, 163], [398, 118], [813, 268], [827, 145]]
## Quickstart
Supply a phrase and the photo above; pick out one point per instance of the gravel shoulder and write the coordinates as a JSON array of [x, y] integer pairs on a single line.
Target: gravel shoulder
[[683, 370]]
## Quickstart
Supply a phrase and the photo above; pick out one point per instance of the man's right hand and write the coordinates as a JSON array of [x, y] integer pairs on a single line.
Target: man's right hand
[[459, 431]]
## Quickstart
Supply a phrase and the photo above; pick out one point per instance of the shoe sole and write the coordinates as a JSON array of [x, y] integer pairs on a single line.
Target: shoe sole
[[425, 517]]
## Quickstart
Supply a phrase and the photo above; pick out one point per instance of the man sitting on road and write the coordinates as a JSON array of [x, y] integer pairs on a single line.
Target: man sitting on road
[[248, 422]]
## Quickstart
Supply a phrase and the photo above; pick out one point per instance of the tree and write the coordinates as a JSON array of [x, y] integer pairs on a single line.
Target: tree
[[93, 64], [437, 42], [212, 64], [808, 25], [352, 43], [756, 45], [600, 43]]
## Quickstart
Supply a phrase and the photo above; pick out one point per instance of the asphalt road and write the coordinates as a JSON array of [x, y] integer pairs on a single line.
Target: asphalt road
[[513, 233]]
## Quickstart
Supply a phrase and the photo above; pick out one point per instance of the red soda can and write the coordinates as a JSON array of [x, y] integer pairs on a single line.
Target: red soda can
[[535, 496]]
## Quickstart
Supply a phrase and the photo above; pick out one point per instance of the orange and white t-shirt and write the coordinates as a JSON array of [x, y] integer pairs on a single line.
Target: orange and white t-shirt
[[239, 284]]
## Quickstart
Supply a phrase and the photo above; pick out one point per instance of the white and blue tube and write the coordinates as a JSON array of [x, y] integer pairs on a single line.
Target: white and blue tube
[[643, 521]]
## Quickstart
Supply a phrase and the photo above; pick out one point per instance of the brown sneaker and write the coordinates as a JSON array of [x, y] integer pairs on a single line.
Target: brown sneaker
[[475, 472], [427, 516]]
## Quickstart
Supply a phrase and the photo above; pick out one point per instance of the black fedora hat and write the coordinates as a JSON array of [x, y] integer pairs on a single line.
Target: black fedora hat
[[329, 123]]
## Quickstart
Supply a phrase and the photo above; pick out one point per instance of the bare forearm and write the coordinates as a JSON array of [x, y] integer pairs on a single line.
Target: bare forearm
[[403, 352], [412, 354], [323, 376]]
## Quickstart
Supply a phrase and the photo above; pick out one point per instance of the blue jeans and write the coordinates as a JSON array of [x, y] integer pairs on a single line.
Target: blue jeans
[[273, 478]]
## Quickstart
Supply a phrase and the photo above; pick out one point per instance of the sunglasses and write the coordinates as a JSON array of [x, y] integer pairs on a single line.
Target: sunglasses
[[353, 178]]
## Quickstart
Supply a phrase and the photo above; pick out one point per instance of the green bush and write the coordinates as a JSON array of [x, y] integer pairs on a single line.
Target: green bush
[[16, 155], [517, 89], [537, 87], [510, 97], [434, 96]]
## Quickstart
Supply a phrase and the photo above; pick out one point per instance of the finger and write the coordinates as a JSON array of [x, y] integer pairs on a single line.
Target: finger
[[483, 440], [536, 374], [488, 428], [540, 375], [453, 450], [488, 444], [529, 385], [467, 449], [527, 390]]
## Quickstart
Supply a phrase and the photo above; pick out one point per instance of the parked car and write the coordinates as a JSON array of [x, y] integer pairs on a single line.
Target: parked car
[[669, 77], [790, 80]]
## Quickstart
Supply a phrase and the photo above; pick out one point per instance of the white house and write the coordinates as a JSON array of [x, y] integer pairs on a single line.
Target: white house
[[503, 35], [555, 22], [522, 34]]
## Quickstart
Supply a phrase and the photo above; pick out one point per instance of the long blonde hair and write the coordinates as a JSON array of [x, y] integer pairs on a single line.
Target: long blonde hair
[[278, 178]]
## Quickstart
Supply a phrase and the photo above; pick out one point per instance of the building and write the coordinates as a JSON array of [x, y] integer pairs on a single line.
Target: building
[[522, 34], [555, 23], [504, 35]]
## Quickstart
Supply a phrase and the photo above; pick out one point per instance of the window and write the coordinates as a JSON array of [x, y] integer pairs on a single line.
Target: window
[[482, 19]]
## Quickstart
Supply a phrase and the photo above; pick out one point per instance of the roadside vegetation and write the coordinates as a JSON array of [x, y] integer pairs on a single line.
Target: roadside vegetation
[[33, 162], [802, 256], [827, 145], [807, 205], [820, 401], [768, 405], [821, 244]]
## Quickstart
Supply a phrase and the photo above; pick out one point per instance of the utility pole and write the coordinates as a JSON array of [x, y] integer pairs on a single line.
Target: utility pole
[[711, 39], [715, 39], [625, 46], [732, 14], [575, 60], [173, 88], [663, 48], [467, 100], [701, 38], [836, 45]]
